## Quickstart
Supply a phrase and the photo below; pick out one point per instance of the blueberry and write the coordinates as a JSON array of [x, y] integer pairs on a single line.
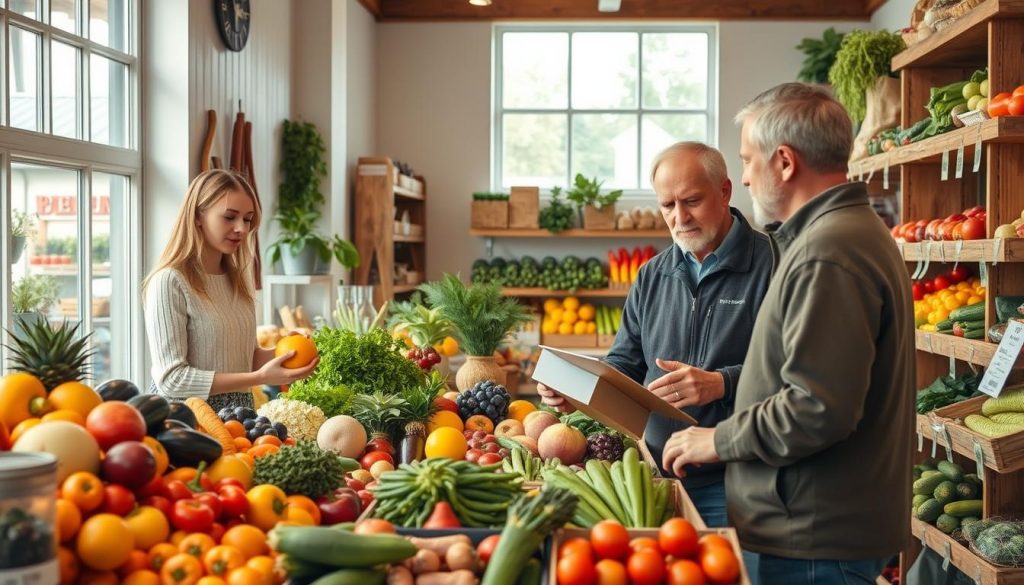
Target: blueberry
[[249, 424], [238, 410], [282, 432], [271, 431]]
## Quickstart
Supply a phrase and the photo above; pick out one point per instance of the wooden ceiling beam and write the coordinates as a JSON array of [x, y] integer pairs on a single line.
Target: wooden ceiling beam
[[372, 6], [873, 5], [403, 10]]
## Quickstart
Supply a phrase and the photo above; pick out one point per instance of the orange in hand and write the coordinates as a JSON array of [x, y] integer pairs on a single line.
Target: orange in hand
[[304, 348]]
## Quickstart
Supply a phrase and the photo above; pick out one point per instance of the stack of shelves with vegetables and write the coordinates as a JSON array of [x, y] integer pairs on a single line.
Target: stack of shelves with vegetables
[[970, 177]]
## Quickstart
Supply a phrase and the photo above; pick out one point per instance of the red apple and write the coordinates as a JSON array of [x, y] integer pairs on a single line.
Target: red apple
[[113, 422], [489, 459]]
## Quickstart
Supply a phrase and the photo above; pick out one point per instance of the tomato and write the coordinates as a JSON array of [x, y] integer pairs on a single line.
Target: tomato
[[149, 525], [160, 503], [246, 538], [192, 516], [1019, 90], [233, 503], [143, 577], [644, 542], [117, 500], [678, 538], [175, 489], [113, 422], [999, 105], [188, 476], [576, 569], [973, 211], [267, 506], [229, 481], [685, 572], [609, 540], [485, 549], [576, 546], [959, 274], [372, 457], [181, 569], [265, 566], [940, 283], [159, 554], [84, 490], [69, 566], [304, 503], [918, 291], [972, 229], [104, 542], [489, 459], [611, 572], [954, 232], [720, 564], [221, 560], [210, 499], [217, 531], [646, 567], [196, 544], [137, 561], [1015, 106], [69, 520], [383, 444]]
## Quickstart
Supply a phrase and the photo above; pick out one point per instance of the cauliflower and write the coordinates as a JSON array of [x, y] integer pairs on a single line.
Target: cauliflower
[[302, 420]]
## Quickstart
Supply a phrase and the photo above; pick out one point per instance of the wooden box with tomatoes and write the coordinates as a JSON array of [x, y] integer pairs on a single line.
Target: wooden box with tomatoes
[[677, 552]]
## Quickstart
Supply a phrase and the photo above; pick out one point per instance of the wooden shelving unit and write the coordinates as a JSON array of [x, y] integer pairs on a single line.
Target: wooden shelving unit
[[379, 200], [570, 233], [987, 36], [619, 293]]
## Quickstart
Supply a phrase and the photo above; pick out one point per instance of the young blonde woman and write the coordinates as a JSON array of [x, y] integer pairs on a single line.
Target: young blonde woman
[[200, 309]]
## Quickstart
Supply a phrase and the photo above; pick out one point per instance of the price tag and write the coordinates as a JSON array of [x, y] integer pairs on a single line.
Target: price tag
[[917, 271], [997, 249], [927, 258], [871, 174], [958, 247], [920, 442], [960, 160], [952, 364], [983, 273], [942, 252], [1002, 362], [977, 151], [944, 172], [885, 175]]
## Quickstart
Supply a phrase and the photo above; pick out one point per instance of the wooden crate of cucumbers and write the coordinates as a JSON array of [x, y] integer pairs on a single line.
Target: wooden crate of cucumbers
[[945, 496], [996, 425]]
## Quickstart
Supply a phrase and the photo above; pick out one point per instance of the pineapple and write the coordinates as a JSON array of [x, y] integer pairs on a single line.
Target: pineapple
[[379, 413], [426, 327], [54, 356]]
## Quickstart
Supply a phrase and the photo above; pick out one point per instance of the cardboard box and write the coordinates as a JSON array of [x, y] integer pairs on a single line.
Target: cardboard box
[[599, 219], [579, 341], [524, 208], [602, 392], [489, 214]]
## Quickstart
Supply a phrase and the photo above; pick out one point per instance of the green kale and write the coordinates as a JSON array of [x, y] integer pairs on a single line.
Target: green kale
[[364, 363], [302, 468]]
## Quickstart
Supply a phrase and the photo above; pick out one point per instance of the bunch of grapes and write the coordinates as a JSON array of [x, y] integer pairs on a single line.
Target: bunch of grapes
[[424, 357]]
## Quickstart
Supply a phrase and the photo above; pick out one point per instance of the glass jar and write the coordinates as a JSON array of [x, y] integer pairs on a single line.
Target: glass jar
[[28, 535], [367, 312]]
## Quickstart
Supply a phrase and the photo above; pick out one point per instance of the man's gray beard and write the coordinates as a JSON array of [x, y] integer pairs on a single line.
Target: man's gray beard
[[761, 215]]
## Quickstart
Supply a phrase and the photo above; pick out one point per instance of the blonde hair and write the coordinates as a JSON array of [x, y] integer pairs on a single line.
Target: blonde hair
[[710, 157], [184, 250]]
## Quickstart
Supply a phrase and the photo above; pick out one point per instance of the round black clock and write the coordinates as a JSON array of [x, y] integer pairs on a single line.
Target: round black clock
[[234, 19]]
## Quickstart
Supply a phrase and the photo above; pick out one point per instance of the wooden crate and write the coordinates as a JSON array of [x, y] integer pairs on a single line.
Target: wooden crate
[[1003, 454], [569, 341], [598, 219], [489, 214], [561, 536], [972, 564], [524, 208], [605, 340]]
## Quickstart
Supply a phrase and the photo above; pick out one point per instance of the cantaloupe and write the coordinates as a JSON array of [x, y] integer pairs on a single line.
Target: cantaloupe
[[74, 447], [342, 434]]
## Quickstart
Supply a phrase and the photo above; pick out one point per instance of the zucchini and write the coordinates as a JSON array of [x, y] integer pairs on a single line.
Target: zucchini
[[353, 577], [945, 492], [929, 511], [951, 470], [975, 312], [154, 410], [188, 448], [340, 548], [964, 508], [927, 484]]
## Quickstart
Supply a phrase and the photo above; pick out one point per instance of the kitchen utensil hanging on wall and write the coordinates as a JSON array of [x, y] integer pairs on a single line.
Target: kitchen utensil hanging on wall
[[211, 131]]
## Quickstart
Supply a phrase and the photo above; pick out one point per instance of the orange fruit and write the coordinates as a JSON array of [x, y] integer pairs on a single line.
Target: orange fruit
[[65, 414], [74, 396], [446, 442], [479, 422], [518, 409], [142, 577], [445, 418], [611, 572], [248, 539], [685, 572], [105, 542], [69, 565], [587, 312], [570, 303], [304, 348], [69, 520], [235, 428], [720, 564]]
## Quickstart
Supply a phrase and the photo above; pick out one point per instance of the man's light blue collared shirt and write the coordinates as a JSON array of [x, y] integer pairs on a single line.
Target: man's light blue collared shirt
[[696, 270]]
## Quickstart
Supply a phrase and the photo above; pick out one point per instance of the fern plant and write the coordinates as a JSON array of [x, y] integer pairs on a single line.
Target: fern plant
[[481, 315]]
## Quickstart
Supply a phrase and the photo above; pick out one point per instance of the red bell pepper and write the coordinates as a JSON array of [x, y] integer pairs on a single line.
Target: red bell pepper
[[649, 253], [634, 263], [613, 269], [624, 266]]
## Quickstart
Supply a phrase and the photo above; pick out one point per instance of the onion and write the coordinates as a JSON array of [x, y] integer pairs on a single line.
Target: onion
[[566, 443]]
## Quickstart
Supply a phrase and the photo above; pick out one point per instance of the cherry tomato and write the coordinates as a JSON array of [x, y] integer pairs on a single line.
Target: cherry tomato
[[941, 283], [211, 500], [160, 503], [117, 500], [918, 290], [374, 456], [485, 549], [233, 502], [192, 516], [959, 274], [929, 287]]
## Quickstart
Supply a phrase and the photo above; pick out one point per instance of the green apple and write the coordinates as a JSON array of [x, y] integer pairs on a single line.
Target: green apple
[[972, 102], [982, 105], [971, 89], [983, 88]]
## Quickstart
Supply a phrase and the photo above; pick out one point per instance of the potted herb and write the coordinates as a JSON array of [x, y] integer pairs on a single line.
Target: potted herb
[[820, 55], [482, 318], [31, 299], [300, 245], [23, 227], [557, 215], [598, 211]]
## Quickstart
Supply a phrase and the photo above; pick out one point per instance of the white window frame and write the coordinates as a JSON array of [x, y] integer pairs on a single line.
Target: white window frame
[[88, 158], [498, 109]]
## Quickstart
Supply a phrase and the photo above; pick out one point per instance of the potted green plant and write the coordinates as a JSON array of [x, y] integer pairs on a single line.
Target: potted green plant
[[32, 296], [23, 227], [820, 55], [597, 209], [300, 246], [482, 319], [425, 327]]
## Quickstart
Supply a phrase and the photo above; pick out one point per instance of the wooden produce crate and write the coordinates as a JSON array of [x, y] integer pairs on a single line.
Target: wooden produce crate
[[524, 208], [1003, 454], [963, 558], [605, 340], [599, 219], [569, 341], [489, 214], [566, 533]]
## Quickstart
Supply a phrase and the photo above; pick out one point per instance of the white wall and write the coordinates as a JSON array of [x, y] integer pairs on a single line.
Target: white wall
[[434, 111], [893, 15]]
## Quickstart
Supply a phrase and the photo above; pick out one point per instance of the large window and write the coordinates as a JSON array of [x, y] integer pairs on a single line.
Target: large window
[[598, 101], [70, 166]]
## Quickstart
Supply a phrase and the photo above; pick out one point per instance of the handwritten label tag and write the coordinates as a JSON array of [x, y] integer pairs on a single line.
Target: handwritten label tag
[[1005, 357], [959, 174], [885, 175], [944, 173], [983, 273], [952, 363], [977, 151]]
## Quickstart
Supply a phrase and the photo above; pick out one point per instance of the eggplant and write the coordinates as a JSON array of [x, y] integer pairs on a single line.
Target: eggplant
[[154, 409], [172, 423], [115, 389], [187, 448], [179, 411]]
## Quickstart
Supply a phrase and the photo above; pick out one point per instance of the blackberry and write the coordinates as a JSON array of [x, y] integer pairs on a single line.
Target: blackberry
[[605, 446], [486, 398]]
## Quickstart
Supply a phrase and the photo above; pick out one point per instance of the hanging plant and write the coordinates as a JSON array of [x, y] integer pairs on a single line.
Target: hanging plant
[[863, 57]]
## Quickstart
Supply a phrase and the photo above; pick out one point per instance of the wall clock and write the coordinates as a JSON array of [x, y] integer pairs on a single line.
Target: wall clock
[[234, 19]]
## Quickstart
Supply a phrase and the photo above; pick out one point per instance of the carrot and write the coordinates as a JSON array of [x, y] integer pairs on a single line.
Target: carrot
[[211, 424]]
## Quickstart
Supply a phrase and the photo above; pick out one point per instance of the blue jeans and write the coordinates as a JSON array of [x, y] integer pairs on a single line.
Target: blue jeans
[[710, 502], [773, 570]]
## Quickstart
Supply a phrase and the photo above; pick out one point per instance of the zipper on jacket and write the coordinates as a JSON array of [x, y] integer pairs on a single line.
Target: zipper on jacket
[[693, 323]]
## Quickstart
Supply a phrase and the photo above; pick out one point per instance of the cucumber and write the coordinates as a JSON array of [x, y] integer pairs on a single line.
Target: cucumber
[[947, 523], [964, 508], [975, 312], [929, 511], [340, 548], [951, 470], [945, 492], [946, 325], [353, 577], [917, 501], [973, 478], [966, 491], [927, 484], [930, 473], [974, 333]]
